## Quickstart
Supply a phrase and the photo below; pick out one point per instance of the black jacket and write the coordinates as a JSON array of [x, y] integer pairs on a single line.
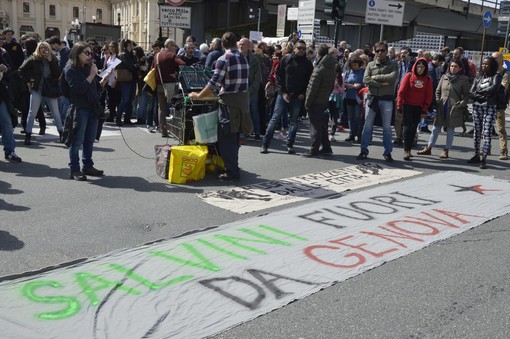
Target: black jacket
[[293, 74], [129, 63], [32, 71], [485, 89]]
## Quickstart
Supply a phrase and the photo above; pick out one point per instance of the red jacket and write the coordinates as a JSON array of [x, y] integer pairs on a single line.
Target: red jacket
[[415, 90]]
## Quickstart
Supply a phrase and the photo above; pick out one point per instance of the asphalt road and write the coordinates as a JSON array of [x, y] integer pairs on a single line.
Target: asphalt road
[[457, 288]]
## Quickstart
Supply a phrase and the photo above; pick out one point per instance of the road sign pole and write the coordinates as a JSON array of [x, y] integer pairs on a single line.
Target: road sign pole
[[337, 31], [507, 31], [483, 43], [258, 21], [381, 33], [486, 20]]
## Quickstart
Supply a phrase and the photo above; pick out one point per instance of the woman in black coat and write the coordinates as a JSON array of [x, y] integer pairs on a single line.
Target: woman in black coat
[[40, 67], [484, 93], [127, 87]]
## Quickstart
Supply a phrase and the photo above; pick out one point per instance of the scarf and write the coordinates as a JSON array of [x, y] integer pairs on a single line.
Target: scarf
[[452, 77]]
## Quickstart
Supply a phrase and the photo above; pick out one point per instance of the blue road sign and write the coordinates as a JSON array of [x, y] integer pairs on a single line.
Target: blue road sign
[[487, 19], [299, 33]]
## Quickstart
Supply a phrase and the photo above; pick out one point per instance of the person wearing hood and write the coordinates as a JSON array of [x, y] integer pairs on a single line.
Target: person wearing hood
[[452, 96], [413, 101], [319, 88]]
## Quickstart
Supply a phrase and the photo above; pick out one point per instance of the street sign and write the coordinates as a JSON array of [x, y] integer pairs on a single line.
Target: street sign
[[306, 19], [502, 26], [487, 19], [384, 12], [175, 2], [504, 8], [292, 13], [280, 21], [179, 17]]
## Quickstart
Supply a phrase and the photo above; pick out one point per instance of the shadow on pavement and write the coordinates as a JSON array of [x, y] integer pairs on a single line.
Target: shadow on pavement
[[5, 188], [140, 184], [9, 242]]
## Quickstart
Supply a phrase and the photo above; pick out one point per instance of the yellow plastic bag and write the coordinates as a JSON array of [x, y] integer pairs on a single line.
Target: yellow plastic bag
[[214, 163], [187, 163]]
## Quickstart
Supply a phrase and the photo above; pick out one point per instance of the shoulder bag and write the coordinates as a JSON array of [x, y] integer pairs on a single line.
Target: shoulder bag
[[168, 87], [123, 75]]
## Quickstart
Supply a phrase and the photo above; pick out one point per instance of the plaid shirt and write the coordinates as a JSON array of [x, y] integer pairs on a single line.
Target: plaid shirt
[[231, 73]]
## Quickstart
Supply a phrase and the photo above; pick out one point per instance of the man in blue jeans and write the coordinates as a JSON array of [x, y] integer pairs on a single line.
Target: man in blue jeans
[[292, 76], [380, 76]]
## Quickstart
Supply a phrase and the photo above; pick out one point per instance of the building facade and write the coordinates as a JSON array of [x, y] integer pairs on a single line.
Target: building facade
[[138, 19]]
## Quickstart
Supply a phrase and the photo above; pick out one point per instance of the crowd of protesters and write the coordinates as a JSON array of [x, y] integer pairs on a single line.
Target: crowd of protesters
[[337, 88]]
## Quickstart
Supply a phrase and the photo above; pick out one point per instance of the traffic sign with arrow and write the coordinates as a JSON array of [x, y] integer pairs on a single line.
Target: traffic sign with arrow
[[384, 12], [487, 19]]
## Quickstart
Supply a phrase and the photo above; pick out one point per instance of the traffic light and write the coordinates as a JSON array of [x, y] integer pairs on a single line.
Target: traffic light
[[335, 9]]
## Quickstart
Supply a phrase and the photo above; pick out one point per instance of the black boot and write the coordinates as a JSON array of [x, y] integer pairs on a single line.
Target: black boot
[[42, 130], [27, 139], [474, 160], [483, 163], [61, 137]]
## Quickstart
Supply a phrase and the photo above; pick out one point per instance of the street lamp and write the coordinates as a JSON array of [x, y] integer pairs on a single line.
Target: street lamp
[[75, 23], [118, 22], [94, 18]]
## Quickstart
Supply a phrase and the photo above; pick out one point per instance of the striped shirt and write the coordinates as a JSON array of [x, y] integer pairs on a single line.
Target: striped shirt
[[231, 73]]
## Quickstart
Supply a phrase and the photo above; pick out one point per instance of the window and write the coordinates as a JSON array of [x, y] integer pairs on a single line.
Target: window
[[25, 29], [53, 10], [26, 8], [76, 12], [99, 14]]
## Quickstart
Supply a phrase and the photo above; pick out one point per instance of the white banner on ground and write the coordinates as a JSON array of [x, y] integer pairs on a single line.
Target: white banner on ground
[[203, 283], [268, 194]]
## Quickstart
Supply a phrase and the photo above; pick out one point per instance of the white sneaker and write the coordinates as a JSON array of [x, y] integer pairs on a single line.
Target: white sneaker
[[278, 136]]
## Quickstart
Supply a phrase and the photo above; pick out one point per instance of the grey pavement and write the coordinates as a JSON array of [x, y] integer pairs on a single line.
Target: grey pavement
[[457, 288]]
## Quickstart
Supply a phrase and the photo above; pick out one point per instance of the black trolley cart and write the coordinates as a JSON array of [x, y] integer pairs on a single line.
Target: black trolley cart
[[191, 79]]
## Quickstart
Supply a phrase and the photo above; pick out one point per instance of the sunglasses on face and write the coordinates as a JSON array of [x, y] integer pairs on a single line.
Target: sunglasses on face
[[301, 48], [380, 50]]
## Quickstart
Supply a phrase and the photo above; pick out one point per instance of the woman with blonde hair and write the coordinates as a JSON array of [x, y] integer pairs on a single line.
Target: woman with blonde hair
[[41, 66]]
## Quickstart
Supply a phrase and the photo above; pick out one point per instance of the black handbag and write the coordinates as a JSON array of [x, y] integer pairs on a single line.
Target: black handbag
[[51, 88]]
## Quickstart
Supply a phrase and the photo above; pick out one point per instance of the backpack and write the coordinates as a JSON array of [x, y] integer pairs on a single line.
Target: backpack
[[503, 94], [507, 95]]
